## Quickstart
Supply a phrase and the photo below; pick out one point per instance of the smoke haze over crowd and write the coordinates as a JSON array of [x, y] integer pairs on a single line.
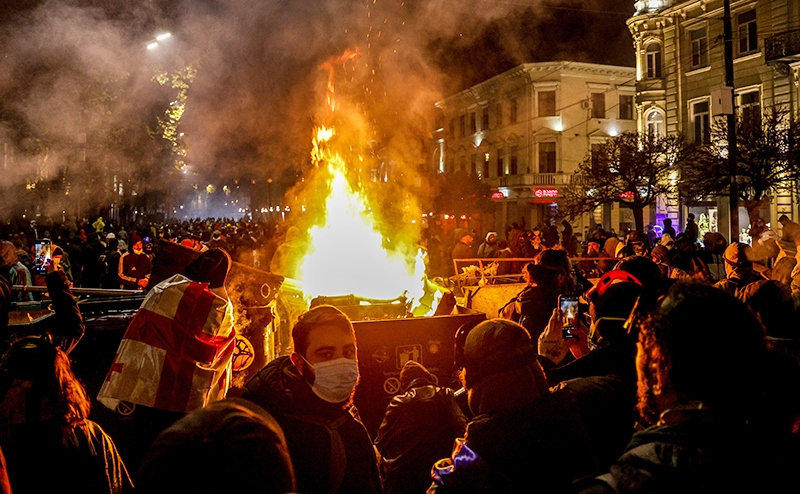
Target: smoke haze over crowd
[[73, 68]]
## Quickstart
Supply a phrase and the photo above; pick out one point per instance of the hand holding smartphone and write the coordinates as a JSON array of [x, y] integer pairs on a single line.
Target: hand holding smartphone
[[568, 304], [43, 255]]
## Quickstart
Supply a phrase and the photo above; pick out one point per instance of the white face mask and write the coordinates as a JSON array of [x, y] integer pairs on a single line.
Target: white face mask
[[335, 379]]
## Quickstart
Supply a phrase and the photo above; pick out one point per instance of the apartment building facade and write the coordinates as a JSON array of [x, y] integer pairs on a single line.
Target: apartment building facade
[[525, 131], [680, 72]]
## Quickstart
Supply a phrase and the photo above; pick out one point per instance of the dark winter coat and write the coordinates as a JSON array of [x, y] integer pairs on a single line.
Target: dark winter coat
[[540, 447], [532, 308], [701, 455], [418, 429], [330, 448]]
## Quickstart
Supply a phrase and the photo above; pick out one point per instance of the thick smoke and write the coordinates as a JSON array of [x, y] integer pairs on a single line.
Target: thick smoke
[[77, 74]]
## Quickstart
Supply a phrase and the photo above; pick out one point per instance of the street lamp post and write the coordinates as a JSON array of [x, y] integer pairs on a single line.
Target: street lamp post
[[733, 191]]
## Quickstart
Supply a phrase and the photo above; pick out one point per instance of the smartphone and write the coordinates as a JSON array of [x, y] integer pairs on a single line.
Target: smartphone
[[569, 308], [43, 255]]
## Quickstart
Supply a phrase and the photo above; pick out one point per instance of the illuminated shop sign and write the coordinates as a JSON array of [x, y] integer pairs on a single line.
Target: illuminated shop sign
[[545, 192]]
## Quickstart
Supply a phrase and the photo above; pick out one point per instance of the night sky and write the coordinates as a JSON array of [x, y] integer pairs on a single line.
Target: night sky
[[259, 89]]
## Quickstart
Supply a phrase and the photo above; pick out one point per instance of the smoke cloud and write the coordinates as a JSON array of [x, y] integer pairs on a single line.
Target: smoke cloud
[[78, 86]]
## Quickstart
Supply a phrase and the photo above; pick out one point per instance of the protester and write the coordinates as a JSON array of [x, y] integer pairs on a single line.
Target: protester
[[738, 268], [488, 248], [49, 442], [703, 393], [134, 266], [522, 437], [692, 231], [245, 443], [532, 306], [419, 428], [310, 395]]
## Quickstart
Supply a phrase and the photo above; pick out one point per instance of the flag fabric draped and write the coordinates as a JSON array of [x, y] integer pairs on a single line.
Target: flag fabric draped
[[176, 353]]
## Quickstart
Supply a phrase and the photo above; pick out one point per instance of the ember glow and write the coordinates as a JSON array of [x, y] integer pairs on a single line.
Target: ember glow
[[348, 254]]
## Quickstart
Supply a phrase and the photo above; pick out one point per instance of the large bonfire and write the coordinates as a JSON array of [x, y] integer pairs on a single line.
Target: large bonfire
[[348, 253]]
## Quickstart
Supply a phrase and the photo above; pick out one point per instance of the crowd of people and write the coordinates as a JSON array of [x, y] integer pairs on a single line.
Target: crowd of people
[[672, 377]]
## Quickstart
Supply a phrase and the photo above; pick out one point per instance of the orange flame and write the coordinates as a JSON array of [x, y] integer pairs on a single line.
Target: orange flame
[[348, 254]]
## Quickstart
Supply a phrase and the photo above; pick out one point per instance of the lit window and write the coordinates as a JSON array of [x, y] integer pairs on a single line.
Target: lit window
[[699, 48], [748, 34], [701, 119], [547, 103], [547, 157], [655, 123], [485, 166], [653, 55]]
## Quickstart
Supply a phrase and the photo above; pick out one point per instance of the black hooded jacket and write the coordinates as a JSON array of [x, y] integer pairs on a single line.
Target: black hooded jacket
[[330, 447]]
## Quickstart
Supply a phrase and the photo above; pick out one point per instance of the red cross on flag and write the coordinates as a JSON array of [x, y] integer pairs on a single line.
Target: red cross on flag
[[176, 353]]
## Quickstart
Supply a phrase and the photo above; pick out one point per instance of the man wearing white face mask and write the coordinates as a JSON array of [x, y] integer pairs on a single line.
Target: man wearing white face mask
[[310, 394]]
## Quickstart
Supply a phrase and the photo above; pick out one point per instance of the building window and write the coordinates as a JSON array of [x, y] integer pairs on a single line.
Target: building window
[[452, 127], [449, 166], [750, 107], [485, 166], [500, 168], [748, 34], [547, 103], [473, 164], [512, 112], [462, 125], [598, 105], [653, 59], [699, 48], [626, 107], [485, 118], [701, 119], [498, 111], [655, 123], [473, 123], [513, 163], [547, 157], [595, 157]]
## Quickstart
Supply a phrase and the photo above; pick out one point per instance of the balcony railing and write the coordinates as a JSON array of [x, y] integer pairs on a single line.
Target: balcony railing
[[531, 179], [784, 46]]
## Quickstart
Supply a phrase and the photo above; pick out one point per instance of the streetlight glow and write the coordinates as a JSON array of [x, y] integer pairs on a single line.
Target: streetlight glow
[[162, 37], [152, 45]]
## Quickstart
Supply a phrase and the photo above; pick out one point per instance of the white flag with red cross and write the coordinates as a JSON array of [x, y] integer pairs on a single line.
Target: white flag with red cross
[[176, 353]]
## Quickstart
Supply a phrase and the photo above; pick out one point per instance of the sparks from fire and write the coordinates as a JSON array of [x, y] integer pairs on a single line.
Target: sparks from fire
[[348, 254]]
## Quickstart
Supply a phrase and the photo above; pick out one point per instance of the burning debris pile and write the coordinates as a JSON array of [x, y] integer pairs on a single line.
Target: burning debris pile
[[350, 260]]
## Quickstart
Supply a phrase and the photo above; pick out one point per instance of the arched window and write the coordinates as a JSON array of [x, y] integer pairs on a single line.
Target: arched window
[[654, 122], [653, 60]]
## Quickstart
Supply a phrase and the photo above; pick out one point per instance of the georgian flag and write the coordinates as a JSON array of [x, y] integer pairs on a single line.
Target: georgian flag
[[176, 353]]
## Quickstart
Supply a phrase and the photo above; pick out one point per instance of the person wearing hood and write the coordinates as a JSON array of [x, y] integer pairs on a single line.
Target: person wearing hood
[[739, 269], [15, 271], [134, 266], [310, 394], [419, 428], [488, 249], [522, 438]]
